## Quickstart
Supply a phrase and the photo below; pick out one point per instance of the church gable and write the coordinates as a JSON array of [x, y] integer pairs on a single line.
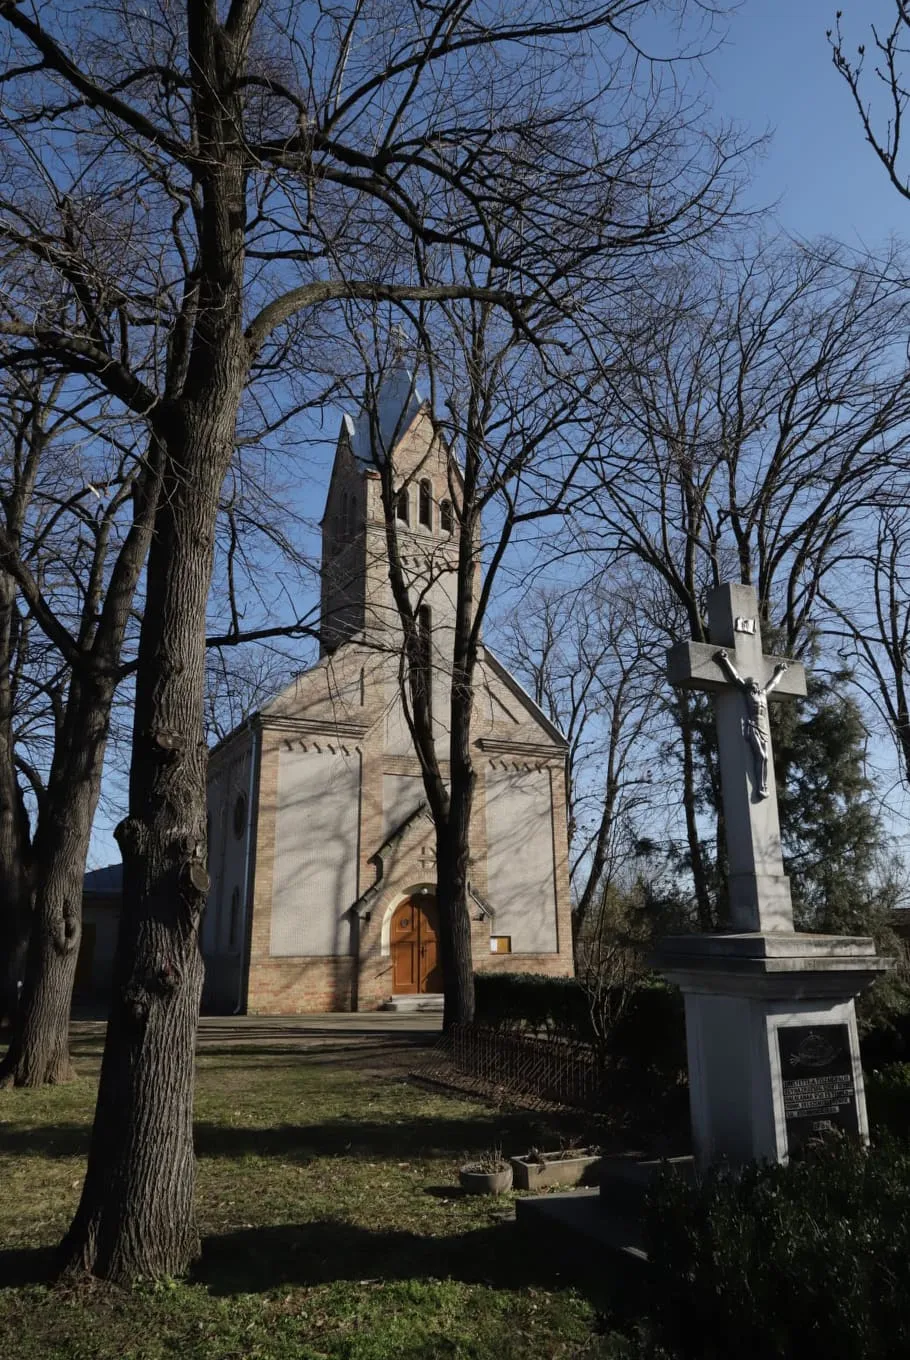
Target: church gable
[[331, 696], [506, 718]]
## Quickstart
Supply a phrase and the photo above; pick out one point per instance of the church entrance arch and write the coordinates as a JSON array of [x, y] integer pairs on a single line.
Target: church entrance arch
[[413, 940]]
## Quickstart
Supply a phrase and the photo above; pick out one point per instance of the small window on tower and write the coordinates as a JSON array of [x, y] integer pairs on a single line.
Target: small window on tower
[[402, 508], [425, 514], [445, 517]]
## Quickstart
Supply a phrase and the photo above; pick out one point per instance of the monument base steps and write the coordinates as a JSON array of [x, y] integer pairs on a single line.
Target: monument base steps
[[591, 1227]]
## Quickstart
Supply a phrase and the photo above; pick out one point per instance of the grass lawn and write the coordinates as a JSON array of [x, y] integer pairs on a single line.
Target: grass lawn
[[332, 1223]]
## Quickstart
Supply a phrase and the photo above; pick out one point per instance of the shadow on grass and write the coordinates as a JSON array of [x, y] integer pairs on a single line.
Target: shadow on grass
[[392, 1139], [259, 1260], [45, 1140], [255, 1260], [27, 1265]]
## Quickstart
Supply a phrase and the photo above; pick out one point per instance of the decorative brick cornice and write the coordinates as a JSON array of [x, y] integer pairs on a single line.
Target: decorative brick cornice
[[322, 727], [530, 750]]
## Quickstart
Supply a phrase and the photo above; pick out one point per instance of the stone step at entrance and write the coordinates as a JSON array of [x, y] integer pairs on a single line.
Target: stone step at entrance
[[419, 1001]]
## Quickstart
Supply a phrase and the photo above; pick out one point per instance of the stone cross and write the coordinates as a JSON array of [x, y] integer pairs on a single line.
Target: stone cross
[[734, 668]]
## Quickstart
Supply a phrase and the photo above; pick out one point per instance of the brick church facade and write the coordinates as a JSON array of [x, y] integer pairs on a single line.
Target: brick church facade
[[321, 847]]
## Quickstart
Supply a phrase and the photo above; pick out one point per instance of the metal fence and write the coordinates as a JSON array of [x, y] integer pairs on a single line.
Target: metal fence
[[542, 1073]]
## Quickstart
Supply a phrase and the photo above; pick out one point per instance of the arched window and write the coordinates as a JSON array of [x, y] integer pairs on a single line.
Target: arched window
[[425, 512], [445, 517], [402, 507]]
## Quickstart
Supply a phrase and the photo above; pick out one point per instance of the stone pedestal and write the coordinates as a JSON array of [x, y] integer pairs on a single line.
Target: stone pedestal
[[771, 1035]]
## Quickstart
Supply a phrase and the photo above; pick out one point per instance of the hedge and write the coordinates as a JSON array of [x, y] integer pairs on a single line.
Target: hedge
[[888, 1101], [810, 1259], [532, 1002], [650, 1035]]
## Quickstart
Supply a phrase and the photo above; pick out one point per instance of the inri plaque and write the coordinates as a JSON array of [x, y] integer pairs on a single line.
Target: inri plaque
[[817, 1071]]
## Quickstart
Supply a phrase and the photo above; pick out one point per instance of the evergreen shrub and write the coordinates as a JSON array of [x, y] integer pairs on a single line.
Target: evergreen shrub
[[532, 1003], [650, 1033], [888, 1101], [810, 1259]]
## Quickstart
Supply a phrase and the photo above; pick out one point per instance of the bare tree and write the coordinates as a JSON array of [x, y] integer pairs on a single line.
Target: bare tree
[[515, 439], [71, 484], [869, 602], [231, 172], [877, 627], [765, 411], [593, 663], [79, 507], [881, 111], [24, 413]]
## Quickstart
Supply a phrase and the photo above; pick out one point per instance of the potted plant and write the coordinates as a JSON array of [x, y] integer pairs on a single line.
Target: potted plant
[[567, 1166], [488, 1174]]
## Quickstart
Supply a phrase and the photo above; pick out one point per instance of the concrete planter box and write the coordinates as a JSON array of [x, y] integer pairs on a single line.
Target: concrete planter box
[[577, 1167], [485, 1182]]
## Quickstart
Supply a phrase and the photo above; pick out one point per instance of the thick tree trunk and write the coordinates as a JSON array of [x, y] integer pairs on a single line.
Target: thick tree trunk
[[452, 849], [15, 836], [136, 1216], [39, 1049], [15, 915]]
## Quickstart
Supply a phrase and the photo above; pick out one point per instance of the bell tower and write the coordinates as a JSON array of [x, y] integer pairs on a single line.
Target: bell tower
[[356, 597]]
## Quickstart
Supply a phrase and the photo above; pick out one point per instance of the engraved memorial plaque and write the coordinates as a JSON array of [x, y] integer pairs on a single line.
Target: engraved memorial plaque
[[818, 1089]]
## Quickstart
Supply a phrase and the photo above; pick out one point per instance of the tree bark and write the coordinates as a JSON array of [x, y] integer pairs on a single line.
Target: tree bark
[[454, 842], [605, 827], [39, 1049], [136, 1216], [696, 858], [38, 1054], [15, 835], [452, 875]]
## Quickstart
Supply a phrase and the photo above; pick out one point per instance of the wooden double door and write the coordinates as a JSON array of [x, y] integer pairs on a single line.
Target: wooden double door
[[415, 948]]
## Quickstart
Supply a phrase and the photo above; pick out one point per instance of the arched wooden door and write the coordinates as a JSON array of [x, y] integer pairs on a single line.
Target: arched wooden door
[[415, 949]]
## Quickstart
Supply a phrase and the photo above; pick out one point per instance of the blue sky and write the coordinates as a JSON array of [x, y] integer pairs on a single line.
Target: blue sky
[[772, 73]]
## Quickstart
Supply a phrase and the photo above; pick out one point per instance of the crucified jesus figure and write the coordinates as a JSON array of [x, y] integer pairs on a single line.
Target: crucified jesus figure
[[756, 729]]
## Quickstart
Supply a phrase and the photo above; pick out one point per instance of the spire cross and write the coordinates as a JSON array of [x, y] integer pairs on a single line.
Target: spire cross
[[734, 668]]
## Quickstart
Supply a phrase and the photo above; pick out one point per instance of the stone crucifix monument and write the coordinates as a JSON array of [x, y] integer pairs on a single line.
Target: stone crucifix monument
[[770, 1022]]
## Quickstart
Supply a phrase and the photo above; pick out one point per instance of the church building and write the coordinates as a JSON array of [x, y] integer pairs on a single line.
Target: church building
[[321, 845]]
